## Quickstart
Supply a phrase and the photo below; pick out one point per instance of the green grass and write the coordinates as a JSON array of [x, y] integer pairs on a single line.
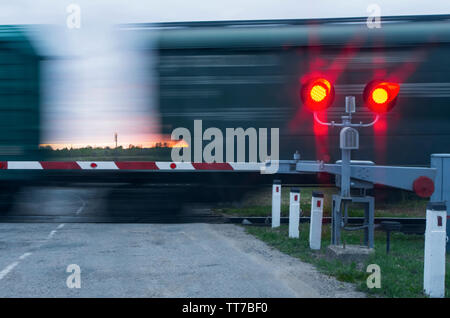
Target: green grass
[[259, 203], [401, 270]]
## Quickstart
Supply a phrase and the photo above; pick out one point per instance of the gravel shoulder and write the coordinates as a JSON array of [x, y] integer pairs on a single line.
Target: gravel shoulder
[[299, 277]]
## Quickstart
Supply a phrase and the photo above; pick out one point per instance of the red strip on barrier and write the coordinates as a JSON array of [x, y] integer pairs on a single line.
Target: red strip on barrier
[[212, 166], [3, 164], [136, 165], [60, 165]]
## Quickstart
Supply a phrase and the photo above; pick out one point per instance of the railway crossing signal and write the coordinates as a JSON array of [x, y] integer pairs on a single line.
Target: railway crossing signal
[[380, 96], [317, 94]]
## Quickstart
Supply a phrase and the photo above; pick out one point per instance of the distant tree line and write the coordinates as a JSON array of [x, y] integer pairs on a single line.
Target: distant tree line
[[160, 152]]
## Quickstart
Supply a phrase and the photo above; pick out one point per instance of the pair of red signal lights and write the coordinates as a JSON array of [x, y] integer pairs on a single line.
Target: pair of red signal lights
[[379, 96]]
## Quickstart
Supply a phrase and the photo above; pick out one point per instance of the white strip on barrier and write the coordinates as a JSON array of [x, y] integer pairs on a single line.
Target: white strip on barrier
[[28, 165], [174, 165], [98, 165], [246, 166]]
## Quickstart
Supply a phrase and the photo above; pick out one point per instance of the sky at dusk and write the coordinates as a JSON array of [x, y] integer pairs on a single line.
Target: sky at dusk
[[97, 82]]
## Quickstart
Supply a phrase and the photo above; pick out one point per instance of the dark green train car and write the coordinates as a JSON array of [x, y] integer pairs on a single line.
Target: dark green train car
[[19, 106]]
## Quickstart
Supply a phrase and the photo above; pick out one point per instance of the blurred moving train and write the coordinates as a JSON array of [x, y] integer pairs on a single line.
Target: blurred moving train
[[245, 74], [250, 73], [19, 107]]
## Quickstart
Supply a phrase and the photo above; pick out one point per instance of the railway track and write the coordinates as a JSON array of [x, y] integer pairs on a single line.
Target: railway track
[[408, 225], [140, 205], [111, 219]]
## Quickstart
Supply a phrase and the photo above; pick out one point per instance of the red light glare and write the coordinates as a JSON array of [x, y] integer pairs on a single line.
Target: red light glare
[[317, 94], [380, 96]]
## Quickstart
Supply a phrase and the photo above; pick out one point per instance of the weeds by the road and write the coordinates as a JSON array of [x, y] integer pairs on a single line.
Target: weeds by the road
[[401, 270]]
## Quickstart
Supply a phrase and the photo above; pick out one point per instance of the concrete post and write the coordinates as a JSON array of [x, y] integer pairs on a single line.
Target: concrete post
[[442, 184], [435, 240], [294, 213], [315, 227], [276, 203]]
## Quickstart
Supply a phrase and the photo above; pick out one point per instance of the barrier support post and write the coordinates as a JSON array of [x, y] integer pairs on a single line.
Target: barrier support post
[[441, 162], [276, 203], [315, 227], [294, 213], [435, 240]]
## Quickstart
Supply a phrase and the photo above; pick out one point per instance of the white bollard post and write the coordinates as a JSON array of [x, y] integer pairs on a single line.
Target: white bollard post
[[435, 241], [315, 227], [294, 213], [276, 203]]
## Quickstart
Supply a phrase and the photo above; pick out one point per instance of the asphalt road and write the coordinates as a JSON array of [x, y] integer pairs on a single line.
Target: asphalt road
[[145, 260], [152, 260]]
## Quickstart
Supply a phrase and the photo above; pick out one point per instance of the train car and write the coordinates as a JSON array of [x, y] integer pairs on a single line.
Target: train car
[[245, 74], [19, 108]]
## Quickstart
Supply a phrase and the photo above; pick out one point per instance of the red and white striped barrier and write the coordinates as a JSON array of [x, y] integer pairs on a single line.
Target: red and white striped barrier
[[130, 165]]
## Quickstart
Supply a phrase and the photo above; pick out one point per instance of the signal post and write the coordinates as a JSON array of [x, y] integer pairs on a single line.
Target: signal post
[[380, 97]]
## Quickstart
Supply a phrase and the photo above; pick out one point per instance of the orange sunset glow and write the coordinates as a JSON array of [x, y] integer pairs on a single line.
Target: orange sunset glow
[[166, 142]]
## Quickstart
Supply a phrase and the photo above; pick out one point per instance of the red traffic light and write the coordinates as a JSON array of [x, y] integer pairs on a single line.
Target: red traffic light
[[381, 96], [317, 94]]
